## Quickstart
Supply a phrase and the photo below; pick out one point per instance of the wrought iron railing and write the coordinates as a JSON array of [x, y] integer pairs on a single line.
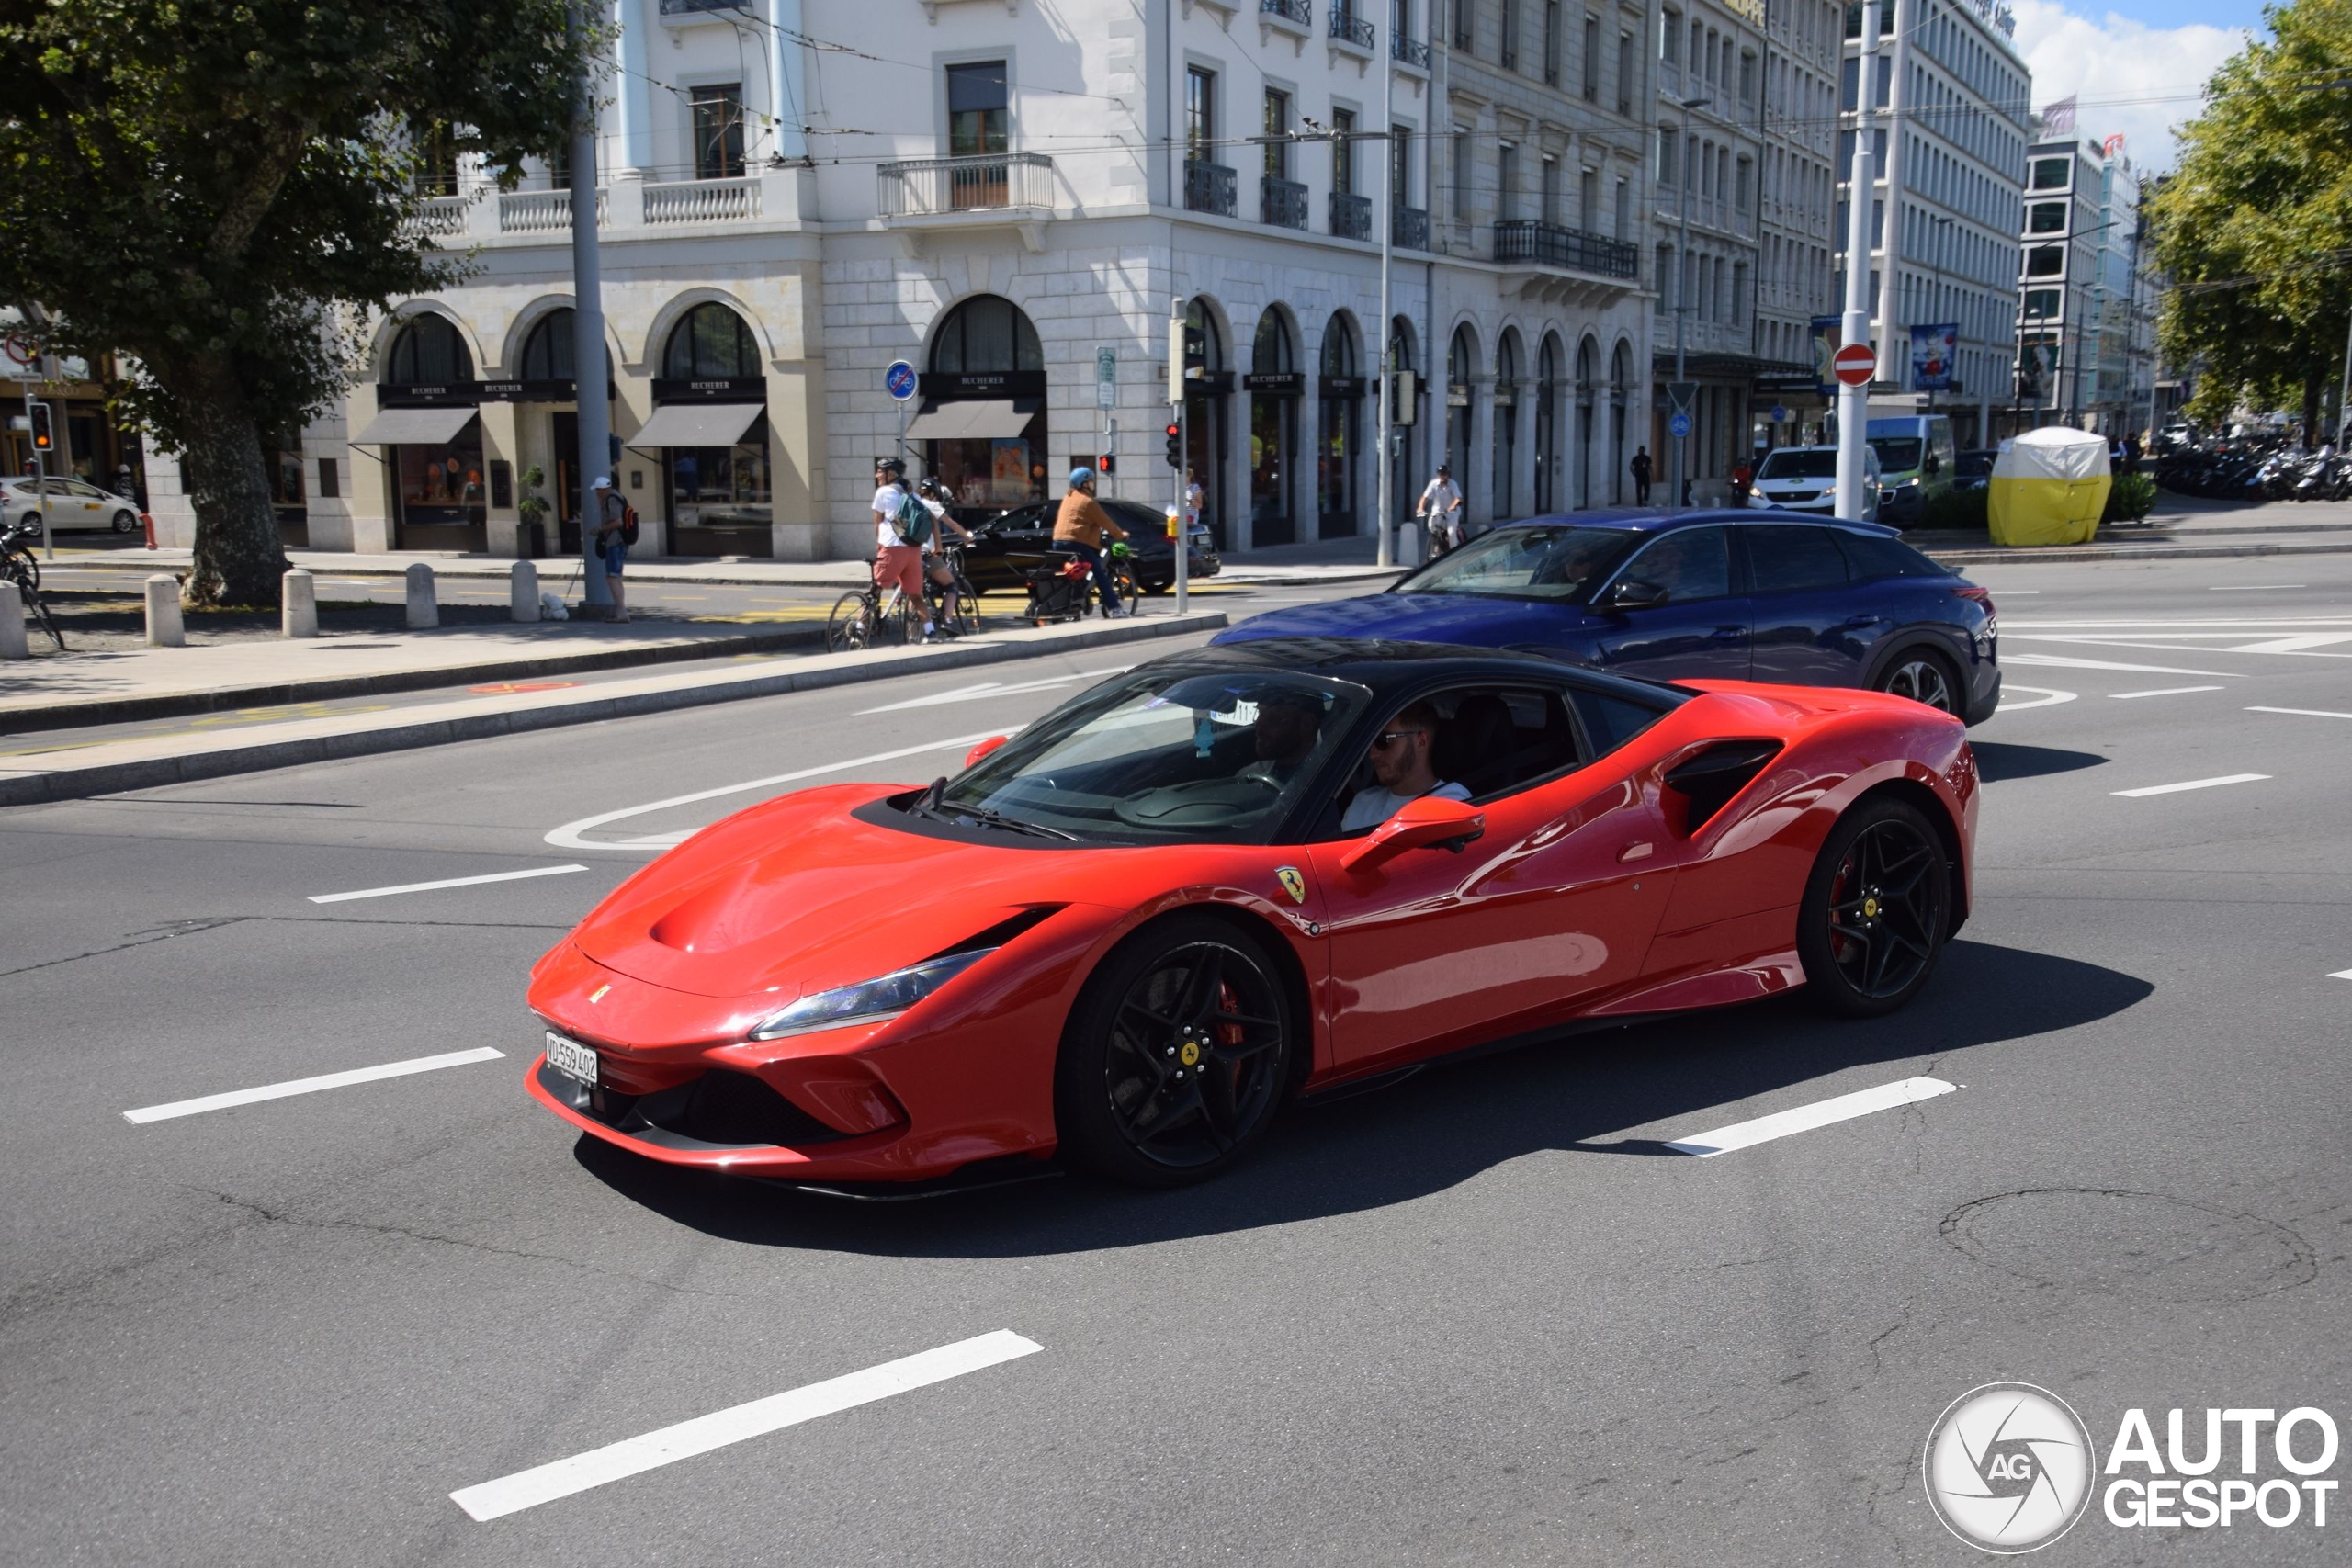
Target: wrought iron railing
[[702, 202], [1409, 228], [1299, 11], [1281, 203], [1208, 187], [920, 186], [1351, 216], [1548, 244], [1410, 51], [1349, 27]]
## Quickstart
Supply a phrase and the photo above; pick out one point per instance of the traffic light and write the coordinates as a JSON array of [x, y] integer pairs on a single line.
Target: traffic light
[[1108, 463], [1175, 445], [44, 439]]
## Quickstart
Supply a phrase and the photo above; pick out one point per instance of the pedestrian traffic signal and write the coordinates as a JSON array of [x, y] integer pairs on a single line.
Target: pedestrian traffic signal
[[1108, 463], [44, 439], [1175, 445]]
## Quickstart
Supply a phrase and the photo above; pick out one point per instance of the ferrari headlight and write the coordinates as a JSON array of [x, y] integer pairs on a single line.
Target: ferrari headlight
[[869, 1001]]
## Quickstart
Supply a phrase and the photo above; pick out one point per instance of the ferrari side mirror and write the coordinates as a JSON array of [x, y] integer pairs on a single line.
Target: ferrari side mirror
[[1433, 821]]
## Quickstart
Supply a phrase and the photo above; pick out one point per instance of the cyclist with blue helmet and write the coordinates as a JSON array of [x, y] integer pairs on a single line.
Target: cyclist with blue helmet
[[1080, 528]]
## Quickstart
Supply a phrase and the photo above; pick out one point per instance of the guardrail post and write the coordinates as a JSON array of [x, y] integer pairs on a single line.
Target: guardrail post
[[12, 623], [423, 614], [523, 592], [298, 604], [165, 629]]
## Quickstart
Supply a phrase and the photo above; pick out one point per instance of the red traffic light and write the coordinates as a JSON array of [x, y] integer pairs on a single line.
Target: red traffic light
[[1175, 430]]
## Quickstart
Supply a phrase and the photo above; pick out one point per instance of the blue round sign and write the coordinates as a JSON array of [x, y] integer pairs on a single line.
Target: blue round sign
[[899, 379], [1679, 426]]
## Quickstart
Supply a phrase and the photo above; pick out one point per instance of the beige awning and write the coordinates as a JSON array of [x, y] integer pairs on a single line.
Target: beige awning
[[416, 427], [696, 424], [974, 421]]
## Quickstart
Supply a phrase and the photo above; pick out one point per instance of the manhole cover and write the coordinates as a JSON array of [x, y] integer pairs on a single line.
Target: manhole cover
[[2130, 1243]]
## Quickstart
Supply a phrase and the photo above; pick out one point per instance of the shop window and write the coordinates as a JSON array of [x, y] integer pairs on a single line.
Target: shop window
[[441, 487], [717, 493], [330, 481], [988, 335], [711, 344]]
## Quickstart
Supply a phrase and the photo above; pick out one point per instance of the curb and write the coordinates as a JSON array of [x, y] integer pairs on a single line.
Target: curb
[[119, 710], [1998, 556], [25, 787]]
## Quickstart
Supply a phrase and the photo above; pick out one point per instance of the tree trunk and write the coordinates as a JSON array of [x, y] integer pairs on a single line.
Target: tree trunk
[[2311, 410], [239, 557]]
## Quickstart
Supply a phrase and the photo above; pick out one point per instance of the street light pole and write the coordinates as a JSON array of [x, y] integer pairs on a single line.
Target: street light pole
[[595, 417], [1384, 499], [1678, 464], [1853, 401]]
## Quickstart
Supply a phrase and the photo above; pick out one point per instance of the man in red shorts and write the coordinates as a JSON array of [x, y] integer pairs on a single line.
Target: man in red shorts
[[895, 560]]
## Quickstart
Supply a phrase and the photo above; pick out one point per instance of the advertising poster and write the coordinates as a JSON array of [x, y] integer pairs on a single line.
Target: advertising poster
[[1009, 470], [1828, 337], [1932, 349]]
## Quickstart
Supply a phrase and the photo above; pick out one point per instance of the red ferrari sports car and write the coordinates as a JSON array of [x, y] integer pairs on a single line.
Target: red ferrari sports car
[[1130, 932]]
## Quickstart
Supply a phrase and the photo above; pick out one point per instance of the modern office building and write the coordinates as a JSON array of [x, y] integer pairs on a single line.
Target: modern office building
[[1948, 136], [2088, 293], [795, 194]]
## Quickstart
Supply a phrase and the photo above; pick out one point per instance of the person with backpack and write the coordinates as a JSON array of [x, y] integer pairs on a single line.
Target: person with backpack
[[943, 575], [901, 527], [1079, 528], [615, 531]]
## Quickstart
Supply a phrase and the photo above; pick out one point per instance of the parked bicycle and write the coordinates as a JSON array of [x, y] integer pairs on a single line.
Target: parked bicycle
[[18, 564]]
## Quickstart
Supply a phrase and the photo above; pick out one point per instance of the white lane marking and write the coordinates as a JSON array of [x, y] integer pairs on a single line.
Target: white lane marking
[[446, 882], [2253, 587], [2302, 642], [309, 1085], [2059, 661], [2341, 975], [2307, 713], [2168, 692], [2050, 698], [2191, 784], [993, 689], [633, 1456], [568, 837], [1805, 1118]]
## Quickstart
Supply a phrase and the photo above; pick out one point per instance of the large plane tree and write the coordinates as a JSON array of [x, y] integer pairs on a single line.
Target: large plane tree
[[221, 192]]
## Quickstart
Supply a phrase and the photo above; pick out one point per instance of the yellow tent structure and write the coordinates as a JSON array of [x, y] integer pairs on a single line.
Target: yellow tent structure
[[2049, 488]]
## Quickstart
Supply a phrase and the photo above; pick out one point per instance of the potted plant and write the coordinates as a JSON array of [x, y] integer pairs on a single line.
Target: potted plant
[[531, 540]]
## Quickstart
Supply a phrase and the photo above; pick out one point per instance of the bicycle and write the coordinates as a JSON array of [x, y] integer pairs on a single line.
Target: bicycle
[[868, 617], [18, 563], [967, 620]]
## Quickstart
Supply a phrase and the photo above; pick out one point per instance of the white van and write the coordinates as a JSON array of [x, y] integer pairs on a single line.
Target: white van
[[1916, 453], [1804, 479]]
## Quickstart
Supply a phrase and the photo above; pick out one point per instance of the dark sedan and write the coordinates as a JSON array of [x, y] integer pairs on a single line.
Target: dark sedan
[[1702, 595], [1009, 543], [1973, 471]]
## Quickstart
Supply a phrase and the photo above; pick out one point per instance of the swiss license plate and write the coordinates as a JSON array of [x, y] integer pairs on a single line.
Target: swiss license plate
[[571, 1058]]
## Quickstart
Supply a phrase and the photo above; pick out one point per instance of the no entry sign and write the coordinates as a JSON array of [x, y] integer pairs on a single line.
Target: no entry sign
[[1855, 364]]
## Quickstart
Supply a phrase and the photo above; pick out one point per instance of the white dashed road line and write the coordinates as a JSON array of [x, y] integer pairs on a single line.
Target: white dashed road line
[[309, 1085], [447, 881], [2061, 662], [2190, 784], [2045, 696], [2341, 975], [1805, 1118], [2306, 712], [2167, 691], [2251, 587], [633, 1456]]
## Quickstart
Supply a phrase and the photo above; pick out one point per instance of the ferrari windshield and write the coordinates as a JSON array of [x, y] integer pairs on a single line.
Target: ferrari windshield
[[1523, 563], [1164, 756]]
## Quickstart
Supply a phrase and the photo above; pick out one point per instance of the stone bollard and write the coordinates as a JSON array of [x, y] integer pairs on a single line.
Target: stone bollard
[[297, 604], [422, 614], [165, 629], [12, 623], [523, 592]]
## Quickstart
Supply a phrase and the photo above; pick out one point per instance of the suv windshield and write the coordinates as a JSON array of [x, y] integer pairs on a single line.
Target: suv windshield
[[1556, 563], [1799, 463], [1164, 756], [1896, 453]]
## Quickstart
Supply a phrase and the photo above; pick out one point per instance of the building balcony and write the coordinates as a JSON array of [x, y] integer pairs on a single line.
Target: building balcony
[[1208, 187], [1282, 204], [1349, 27], [1409, 229], [1410, 51], [698, 8], [543, 211], [438, 217], [702, 202], [1351, 216], [981, 184], [1299, 13], [1548, 244]]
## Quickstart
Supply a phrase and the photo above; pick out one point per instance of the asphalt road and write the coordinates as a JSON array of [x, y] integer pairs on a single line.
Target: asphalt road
[[1482, 1319]]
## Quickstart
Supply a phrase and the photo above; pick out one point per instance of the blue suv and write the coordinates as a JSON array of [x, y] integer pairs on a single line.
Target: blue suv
[[1772, 596]]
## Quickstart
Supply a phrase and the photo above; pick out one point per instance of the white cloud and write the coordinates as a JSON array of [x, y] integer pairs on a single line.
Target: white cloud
[[2140, 81]]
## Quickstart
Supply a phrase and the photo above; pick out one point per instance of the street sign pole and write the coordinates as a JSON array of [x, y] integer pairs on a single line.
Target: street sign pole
[[1854, 400], [1183, 448], [588, 354], [40, 476]]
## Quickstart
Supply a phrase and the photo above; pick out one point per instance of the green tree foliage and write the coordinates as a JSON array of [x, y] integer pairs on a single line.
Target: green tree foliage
[[2264, 194], [221, 192]]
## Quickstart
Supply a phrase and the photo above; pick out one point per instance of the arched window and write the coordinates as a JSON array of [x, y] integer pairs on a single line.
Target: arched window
[[1274, 435], [1547, 418], [1269, 352], [547, 353], [1340, 411], [986, 333], [712, 343], [1620, 385], [1206, 441], [1403, 355], [428, 352], [1587, 369], [1461, 363], [1506, 425]]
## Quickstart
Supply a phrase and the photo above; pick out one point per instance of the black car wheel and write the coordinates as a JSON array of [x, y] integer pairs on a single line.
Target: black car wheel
[[1876, 910], [1175, 1057], [125, 522], [1924, 677]]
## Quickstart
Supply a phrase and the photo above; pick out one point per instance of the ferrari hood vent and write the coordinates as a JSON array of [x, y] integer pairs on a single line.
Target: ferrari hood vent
[[1003, 931], [1707, 779]]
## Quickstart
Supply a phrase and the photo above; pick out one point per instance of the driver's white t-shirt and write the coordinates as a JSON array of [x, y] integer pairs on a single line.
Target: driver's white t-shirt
[[1442, 496], [1372, 805]]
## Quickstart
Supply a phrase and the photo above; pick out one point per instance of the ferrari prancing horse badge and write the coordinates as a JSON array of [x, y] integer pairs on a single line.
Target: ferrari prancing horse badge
[[1293, 884]]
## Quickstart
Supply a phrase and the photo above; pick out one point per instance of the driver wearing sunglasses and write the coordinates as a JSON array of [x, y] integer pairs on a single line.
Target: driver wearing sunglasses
[[1400, 771]]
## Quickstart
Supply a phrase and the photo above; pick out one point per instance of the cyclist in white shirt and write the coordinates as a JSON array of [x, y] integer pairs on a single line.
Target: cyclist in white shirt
[[1442, 505], [895, 561]]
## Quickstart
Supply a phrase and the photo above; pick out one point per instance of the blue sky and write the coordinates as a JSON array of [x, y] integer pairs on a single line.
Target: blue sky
[[2137, 67]]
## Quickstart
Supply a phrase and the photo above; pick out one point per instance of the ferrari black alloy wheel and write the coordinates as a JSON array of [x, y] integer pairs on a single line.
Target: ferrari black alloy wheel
[[1176, 1056], [1924, 677], [1877, 908]]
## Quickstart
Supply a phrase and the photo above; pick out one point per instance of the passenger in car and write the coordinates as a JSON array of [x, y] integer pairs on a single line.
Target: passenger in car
[[1287, 723], [1400, 771]]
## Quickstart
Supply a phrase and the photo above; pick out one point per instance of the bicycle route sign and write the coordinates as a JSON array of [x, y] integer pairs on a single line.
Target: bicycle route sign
[[899, 379], [1679, 426]]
